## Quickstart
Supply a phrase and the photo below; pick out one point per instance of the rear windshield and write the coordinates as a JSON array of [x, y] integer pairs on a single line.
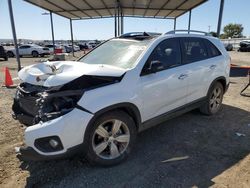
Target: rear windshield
[[121, 53]]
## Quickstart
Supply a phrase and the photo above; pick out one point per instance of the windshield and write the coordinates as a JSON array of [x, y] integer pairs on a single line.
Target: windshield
[[118, 52]]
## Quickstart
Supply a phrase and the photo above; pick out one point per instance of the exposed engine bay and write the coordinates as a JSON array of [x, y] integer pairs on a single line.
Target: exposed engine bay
[[36, 103]]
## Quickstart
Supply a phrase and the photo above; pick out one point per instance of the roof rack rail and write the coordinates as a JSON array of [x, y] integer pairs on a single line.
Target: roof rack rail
[[188, 31], [139, 35]]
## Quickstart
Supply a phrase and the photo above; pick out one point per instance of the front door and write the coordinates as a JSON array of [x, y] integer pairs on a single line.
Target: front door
[[166, 89]]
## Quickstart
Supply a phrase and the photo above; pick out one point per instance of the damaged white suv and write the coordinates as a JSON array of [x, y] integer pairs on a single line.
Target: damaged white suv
[[98, 104]]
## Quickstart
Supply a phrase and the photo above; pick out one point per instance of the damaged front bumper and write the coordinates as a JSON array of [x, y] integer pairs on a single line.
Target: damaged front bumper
[[68, 130], [29, 154]]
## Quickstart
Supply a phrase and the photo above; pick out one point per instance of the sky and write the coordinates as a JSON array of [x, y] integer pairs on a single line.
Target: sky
[[31, 24]]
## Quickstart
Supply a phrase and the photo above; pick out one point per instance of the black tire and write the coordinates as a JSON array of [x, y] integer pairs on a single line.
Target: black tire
[[10, 54], [34, 53], [209, 108], [90, 138], [6, 58], [42, 55]]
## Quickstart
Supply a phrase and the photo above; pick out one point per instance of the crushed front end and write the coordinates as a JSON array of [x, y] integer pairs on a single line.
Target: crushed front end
[[55, 121], [33, 104]]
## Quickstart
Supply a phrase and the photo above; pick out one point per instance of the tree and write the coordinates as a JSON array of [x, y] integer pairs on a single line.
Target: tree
[[233, 30]]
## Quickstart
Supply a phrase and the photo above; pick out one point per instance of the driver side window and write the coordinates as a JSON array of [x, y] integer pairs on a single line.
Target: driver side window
[[168, 53]]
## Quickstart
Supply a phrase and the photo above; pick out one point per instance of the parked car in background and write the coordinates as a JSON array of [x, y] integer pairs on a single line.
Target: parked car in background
[[3, 53], [76, 48], [93, 44], [99, 103], [29, 50], [67, 48], [244, 46], [83, 46], [51, 48], [228, 46]]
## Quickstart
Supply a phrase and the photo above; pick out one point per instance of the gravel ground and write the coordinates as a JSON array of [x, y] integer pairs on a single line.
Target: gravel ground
[[217, 157]]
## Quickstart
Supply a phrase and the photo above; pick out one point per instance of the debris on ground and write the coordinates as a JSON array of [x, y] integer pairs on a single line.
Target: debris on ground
[[240, 134], [175, 159]]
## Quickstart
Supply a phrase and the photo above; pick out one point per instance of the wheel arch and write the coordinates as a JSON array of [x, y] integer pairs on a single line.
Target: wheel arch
[[34, 51], [220, 79], [131, 109]]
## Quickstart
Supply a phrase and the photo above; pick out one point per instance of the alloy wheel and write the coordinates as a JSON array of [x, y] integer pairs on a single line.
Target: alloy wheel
[[216, 99], [111, 139]]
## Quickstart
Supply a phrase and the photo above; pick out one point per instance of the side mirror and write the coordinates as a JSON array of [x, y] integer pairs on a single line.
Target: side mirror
[[155, 66]]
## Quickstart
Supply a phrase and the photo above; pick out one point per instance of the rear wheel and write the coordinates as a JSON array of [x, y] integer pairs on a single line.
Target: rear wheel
[[35, 54], [6, 58], [214, 100], [10, 54], [110, 138]]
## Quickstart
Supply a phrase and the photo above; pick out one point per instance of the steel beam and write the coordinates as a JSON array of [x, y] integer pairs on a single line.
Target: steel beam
[[174, 24], [115, 22], [52, 31], [122, 24], [220, 17], [72, 40], [14, 34], [118, 19], [189, 20]]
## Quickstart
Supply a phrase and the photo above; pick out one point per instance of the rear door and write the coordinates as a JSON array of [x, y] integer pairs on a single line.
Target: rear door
[[199, 65], [166, 89]]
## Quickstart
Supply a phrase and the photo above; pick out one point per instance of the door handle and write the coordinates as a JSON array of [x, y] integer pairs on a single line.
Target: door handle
[[212, 67], [182, 76]]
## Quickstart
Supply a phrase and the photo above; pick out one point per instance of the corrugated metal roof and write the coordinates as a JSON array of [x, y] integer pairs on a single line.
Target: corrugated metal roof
[[89, 9]]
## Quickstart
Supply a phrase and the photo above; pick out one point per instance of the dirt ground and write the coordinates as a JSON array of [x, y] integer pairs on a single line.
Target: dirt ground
[[217, 157]]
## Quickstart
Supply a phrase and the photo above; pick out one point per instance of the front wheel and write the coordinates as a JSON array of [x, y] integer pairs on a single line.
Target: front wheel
[[214, 100], [110, 138]]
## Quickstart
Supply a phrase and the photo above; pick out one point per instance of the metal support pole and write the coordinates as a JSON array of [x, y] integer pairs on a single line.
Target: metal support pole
[[119, 26], [52, 31], [174, 24], [115, 22], [189, 20], [122, 24], [72, 40], [14, 34], [220, 17]]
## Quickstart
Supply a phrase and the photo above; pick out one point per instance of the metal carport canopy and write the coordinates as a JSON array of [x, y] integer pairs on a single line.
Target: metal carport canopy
[[90, 9]]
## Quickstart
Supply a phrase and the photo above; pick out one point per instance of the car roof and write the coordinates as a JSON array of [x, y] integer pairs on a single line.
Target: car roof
[[139, 35]]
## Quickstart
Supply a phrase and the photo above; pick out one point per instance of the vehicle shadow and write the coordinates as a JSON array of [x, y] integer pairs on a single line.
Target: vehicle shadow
[[210, 143]]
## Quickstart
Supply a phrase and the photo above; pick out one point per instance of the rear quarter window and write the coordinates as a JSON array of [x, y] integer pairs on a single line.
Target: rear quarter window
[[212, 49]]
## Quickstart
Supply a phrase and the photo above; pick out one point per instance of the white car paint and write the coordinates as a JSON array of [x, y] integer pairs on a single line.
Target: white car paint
[[27, 49], [57, 73], [153, 94]]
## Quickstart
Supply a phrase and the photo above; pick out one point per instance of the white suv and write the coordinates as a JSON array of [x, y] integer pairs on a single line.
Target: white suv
[[98, 104], [29, 50]]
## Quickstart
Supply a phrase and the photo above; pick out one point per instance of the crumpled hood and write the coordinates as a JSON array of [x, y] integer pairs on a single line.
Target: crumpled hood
[[57, 73]]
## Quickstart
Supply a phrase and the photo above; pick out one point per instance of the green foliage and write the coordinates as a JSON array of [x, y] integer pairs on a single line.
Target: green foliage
[[233, 31]]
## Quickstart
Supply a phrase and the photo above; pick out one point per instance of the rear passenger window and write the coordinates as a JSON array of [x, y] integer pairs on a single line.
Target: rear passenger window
[[193, 50], [213, 51]]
